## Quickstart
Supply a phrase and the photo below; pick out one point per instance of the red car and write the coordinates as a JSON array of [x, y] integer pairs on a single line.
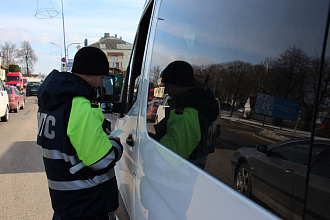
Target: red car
[[152, 110], [16, 99]]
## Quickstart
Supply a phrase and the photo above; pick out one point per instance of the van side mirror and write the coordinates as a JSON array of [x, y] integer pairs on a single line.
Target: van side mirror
[[108, 95]]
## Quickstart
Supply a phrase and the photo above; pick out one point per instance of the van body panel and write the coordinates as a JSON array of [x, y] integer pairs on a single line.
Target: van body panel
[[154, 182]]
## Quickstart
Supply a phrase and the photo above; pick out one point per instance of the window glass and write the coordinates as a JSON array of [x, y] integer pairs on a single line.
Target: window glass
[[12, 78], [296, 153], [106, 92], [260, 59], [322, 168], [16, 91], [9, 90]]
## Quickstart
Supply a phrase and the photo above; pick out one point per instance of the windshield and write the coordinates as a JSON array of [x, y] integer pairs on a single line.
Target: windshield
[[9, 91], [12, 78], [34, 84]]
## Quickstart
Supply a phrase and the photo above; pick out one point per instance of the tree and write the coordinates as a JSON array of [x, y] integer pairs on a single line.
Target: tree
[[9, 53], [27, 56], [14, 68]]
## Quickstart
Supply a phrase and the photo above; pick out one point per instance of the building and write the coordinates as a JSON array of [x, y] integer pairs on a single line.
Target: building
[[117, 50], [2, 70]]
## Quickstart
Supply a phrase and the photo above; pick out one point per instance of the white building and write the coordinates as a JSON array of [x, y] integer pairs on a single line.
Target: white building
[[117, 50]]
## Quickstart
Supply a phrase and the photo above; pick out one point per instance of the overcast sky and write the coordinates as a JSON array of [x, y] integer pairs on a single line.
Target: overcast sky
[[83, 19]]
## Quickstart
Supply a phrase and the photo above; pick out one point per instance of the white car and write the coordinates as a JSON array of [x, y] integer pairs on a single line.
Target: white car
[[4, 103]]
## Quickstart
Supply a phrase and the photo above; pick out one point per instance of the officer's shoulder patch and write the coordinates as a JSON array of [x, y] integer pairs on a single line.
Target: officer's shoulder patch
[[94, 104]]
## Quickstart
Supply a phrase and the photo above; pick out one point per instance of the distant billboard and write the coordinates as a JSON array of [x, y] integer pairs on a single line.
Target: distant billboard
[[276, 107]]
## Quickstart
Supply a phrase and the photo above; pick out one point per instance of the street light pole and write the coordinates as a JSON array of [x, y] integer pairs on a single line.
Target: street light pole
[[67, 50], [58, 46], [60, 50], [63, 33]]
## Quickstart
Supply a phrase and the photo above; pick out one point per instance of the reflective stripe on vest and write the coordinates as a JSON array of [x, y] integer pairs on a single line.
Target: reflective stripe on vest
[[56, 155], [81, 184], [101, 164]]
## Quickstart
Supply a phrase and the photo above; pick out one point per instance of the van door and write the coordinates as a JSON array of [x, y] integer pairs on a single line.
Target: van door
[[129, 116]]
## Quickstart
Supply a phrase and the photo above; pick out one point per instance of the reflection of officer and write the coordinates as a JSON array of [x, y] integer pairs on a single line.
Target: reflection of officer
[[189, 126]]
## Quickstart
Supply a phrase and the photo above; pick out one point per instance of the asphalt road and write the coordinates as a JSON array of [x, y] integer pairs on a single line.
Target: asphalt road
[[23, 184]]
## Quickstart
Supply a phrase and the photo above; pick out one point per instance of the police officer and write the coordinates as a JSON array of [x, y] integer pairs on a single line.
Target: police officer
[[78, 155]]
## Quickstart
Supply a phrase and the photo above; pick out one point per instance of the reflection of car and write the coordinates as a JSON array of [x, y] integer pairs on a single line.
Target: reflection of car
[[25, 82], [277, 175], [32, 88], [16, 99], [152, 110], [4, 103]]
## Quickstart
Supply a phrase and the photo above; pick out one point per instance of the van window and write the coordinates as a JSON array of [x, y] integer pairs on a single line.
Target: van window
[[261, 60], [131, 83]]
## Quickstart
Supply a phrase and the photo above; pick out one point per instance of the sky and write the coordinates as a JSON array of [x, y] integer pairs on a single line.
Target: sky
[[83, 19]]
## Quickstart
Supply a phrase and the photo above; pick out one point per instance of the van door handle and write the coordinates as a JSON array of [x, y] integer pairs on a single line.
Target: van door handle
[[130, 140]]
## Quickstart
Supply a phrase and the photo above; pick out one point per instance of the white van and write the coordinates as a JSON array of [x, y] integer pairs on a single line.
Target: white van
[[245, 48], [4, 103]]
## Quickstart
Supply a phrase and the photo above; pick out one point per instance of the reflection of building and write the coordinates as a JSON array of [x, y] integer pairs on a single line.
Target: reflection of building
[[117, 50], [159, 90]]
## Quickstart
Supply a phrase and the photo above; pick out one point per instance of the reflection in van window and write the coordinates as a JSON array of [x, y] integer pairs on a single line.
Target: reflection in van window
[[187, 130], [261, 61]]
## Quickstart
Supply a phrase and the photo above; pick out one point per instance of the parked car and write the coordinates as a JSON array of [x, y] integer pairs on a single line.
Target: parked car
[[16, 98], [152, 109], [32, 88], [25, 82], [278, 173], [4, 103]]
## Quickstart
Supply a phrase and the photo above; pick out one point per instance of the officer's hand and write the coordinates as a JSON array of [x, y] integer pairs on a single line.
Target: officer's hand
[[116, 138], [107, 131]]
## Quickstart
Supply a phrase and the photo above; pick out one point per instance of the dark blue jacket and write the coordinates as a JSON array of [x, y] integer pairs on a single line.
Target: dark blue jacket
[[79, 188]]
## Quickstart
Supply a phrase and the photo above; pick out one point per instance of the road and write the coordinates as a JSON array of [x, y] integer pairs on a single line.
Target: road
[[23, 184]]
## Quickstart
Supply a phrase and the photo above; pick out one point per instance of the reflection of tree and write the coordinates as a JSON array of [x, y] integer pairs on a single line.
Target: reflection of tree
[[287, 75], [293, 76], [155, 74]]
